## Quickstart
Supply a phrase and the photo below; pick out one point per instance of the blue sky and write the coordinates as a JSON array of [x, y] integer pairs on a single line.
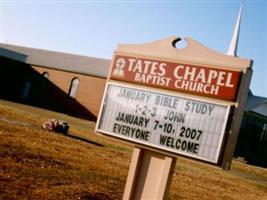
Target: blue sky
[[94, 28]]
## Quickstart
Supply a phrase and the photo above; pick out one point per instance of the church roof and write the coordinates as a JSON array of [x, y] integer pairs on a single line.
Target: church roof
[[57, 60], [257, 105]]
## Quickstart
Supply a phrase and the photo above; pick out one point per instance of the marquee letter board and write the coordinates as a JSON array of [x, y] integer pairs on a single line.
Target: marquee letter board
[[174, 100]]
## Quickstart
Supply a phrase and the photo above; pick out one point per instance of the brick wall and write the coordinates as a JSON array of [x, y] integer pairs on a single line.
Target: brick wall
[[90, 88]]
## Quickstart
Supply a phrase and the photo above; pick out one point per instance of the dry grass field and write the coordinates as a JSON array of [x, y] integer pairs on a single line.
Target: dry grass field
[[37, 164]]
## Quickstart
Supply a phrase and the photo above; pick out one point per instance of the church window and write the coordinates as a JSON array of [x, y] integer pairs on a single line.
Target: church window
[[46, 75], [74, 87]]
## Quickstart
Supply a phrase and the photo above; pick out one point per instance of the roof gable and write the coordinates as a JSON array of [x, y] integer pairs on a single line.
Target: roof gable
[[57, 60]]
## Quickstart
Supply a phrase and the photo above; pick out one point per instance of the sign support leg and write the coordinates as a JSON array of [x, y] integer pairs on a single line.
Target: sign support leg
[[149, 176], [236, 121]]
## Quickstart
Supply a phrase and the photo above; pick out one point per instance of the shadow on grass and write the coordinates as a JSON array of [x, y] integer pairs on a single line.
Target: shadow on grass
[[82, 139]]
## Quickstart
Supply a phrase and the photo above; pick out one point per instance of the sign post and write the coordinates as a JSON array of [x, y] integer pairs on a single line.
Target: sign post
[[149, 175], [170, 102]]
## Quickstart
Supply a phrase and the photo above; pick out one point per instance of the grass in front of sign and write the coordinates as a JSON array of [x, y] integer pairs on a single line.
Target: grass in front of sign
[[37, 164]]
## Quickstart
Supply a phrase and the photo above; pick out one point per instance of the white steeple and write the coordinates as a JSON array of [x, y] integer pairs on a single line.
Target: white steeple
[[234, 42]]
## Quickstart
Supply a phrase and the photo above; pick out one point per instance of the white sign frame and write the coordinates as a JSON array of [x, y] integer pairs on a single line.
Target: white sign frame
[[160, 92]]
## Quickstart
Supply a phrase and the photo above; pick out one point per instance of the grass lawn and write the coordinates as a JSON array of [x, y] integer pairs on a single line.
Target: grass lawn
[[37, 164]]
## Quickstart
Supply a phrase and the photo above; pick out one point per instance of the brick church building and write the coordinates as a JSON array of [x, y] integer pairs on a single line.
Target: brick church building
[[66, 83]]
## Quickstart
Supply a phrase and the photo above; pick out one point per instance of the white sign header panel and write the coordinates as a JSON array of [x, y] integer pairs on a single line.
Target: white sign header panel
[[173, 123]]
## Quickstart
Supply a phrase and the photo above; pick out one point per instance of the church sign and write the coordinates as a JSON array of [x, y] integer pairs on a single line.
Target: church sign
[[199, 80], [182, 101]]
